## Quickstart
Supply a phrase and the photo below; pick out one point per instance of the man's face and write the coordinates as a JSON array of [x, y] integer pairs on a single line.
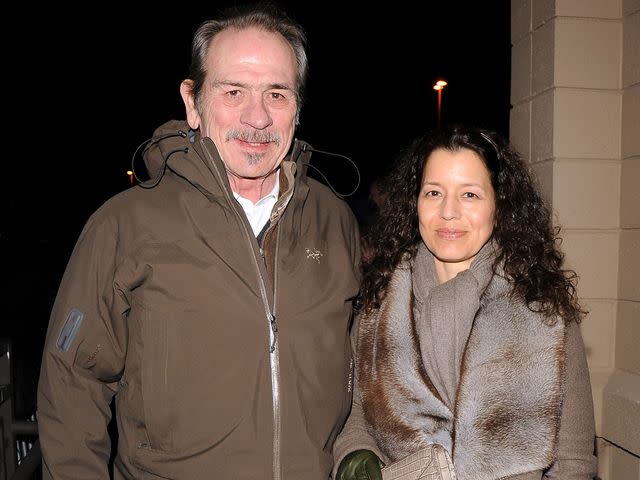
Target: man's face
[[249, 101]]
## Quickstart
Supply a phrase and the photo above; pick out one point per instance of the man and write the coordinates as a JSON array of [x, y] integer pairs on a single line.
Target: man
[[214, 301]]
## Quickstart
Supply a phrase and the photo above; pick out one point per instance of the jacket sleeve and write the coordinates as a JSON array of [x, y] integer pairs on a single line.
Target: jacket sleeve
[[575, 459], [354, 435], [82, 360]]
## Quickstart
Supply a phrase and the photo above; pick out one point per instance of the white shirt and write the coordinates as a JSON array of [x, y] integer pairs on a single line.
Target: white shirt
[[258, 214]]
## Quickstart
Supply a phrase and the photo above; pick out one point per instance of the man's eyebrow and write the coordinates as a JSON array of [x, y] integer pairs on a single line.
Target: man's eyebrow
[[233, 83], [227, 83], [280, 86]]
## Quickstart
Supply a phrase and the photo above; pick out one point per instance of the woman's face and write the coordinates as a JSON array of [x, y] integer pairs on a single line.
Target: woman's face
[[456, 209]]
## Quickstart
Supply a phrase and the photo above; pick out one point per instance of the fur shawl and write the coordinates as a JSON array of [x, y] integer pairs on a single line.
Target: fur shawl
[[502, 413]]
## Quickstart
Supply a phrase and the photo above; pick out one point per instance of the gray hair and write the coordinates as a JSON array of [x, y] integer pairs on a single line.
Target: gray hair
[[263, 16]]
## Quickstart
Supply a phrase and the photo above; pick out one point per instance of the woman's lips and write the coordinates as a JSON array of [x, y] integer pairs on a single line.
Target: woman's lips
[[448, 234]]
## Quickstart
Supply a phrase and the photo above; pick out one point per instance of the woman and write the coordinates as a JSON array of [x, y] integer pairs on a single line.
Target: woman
[[467, 334]]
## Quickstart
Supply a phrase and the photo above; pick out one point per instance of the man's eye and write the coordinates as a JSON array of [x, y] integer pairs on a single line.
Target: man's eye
[[233, 93], [277, 97]]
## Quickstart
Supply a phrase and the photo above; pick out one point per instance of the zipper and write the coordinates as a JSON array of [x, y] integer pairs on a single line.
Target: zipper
[[274, 352], [275, 369]]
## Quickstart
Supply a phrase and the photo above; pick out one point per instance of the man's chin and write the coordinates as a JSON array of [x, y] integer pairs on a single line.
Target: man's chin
[[253, 175]]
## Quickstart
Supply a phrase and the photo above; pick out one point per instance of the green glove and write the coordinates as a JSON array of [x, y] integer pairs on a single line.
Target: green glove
[[360, 465]]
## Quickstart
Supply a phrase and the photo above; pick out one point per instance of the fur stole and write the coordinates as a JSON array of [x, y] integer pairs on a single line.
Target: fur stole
[[504, 413]]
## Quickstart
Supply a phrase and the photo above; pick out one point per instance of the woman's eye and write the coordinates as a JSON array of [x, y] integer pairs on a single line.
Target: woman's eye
[[469, 195], [432, 193]]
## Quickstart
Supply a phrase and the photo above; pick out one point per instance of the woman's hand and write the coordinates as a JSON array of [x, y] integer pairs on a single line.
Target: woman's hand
[[360, 465]]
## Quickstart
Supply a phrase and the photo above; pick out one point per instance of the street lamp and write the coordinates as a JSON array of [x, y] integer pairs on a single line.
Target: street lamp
[[440, 84]]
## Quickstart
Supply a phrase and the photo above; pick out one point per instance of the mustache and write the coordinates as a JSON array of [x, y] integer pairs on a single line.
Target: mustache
[[254, 136]]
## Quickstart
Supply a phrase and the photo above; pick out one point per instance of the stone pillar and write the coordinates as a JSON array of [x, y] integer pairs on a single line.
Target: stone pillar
[[576, 118]]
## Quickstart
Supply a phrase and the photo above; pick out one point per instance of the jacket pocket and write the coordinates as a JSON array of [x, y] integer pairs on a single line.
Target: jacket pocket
[[153, 464], [154, 379], [196, 379]]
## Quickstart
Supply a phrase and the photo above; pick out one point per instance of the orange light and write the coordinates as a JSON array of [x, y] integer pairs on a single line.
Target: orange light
[[440, 84], [129, 172]]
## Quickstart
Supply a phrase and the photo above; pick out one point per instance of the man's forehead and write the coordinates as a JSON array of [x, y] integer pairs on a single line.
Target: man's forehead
[[252, 57], [249, 43]]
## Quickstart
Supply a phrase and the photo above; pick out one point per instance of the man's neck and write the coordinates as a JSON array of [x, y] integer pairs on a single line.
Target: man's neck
[[253, 188]]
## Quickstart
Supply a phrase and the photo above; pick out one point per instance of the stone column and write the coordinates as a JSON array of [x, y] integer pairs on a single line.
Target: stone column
[[576, 118]]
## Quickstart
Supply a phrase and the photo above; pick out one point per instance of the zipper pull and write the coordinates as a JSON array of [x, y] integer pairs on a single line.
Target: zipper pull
[[274, 330]]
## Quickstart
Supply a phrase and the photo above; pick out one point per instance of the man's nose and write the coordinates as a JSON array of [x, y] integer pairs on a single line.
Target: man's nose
[[256, 114]]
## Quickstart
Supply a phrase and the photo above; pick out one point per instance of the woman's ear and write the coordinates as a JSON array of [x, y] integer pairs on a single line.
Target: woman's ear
[[186, 91]]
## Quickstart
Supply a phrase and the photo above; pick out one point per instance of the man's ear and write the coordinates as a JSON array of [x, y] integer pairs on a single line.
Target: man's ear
[[186, 91]]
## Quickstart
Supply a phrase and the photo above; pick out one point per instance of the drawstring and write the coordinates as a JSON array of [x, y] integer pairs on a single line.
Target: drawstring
[[149, 143], [306, 147]]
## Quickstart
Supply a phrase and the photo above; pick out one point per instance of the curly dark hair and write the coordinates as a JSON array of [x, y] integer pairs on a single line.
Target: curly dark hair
[[528, 243]]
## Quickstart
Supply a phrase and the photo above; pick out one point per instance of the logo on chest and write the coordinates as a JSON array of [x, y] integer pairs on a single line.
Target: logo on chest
[[314, 254]]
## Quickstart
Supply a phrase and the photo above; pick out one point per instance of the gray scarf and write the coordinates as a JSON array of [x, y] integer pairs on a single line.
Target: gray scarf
[[443, 315]]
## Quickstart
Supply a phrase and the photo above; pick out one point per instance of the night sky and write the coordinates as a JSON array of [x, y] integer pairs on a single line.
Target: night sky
[[87, 92]]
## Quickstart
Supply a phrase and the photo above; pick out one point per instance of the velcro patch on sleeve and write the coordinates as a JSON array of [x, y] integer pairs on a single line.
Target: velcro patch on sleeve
[[69, 329]]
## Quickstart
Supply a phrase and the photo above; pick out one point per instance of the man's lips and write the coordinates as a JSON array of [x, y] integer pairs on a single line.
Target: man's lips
[[253, 145]]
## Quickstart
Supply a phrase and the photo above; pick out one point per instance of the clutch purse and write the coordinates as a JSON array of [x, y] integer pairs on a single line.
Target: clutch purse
[[431, 463]]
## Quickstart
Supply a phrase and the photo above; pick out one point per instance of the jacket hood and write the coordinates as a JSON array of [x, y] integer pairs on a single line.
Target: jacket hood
[[176, 147]]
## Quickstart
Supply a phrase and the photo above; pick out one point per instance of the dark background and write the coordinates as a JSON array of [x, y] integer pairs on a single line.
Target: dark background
[[91, 84]]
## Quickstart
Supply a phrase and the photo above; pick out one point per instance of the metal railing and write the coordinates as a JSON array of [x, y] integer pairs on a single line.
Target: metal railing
[[20, 455]]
